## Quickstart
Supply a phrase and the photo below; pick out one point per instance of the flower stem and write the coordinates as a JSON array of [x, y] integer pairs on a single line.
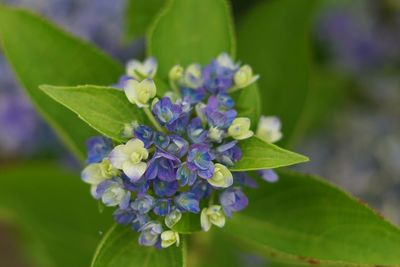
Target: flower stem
[[175, 88], [153, 120]]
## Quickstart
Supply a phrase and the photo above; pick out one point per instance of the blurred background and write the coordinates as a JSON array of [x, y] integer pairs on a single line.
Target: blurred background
[[352, 135]]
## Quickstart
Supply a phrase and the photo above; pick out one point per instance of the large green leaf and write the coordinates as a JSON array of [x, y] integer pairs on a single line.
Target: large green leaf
[[258, 155], [120, 247], [139, 14], [273, 39], [306, 220], [41, 53], [190, 31], [248, 103], [55, 212], [105, 109]]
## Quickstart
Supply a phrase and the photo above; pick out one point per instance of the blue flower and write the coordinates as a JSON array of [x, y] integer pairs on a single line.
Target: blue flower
[[216, 117], [139, 221], [243, 179], [165, 189], [144, 133], [233, 199], [177, 146], [199, 159], [217, 78], [161, 140], [163, 166], [225, 101], [185, 176], [150, 233], [187, 201], [167, 113], [228, 153], [162, 207], [194, 95], [98, 147], [124, 216], [201, 189], [140, 186], [195, 131], [143, 204]]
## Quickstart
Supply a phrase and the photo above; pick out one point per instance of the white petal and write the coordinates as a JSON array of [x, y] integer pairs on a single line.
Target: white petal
[[150, 86], [134, 171], [134, 145], [118, 156], [130, 90], [92, 174], [204, 221]]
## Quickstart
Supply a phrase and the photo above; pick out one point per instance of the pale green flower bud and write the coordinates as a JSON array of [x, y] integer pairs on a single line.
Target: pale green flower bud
[[96, 173], [172, 218], [269, 129], [222, 177], [140, 71], [212, 215], [169, 238], [240, 129], [199, 108], [192, 77], [140, 93], [127, 131], [176, 73], [244, 77], [215, 134]]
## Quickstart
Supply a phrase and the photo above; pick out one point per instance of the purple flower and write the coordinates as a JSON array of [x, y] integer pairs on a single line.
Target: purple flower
[[199, 159], [163, 166], [187, 201], [193, 95], [140, 186], [177, 146], [233, 199], [228, 153], [161, 140], [216, 117], [124, 216], [243, 179], [98, 148], [139, 221], [269, 175], [121, 82], [217, 78], [165, 189], [150, 233], [196, 132], [162, 207], [201, 189], [144, 133], [167, 113], [185, 176], [143, 204], [113, 193]]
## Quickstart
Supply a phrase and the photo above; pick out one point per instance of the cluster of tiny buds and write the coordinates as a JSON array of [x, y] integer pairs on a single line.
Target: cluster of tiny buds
[[178, 161]]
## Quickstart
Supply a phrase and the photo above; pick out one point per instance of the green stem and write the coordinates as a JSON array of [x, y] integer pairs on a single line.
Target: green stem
[[153, 120], [175, 88], [211, 200], [234, 89]]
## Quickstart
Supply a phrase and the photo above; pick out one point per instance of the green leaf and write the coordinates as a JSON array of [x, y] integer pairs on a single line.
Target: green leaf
[[190, 31], [273, 37], [248, 104], [258, 155], [189, 223], [303, 219], [139, 14], [105, 109], [120, 247], [41, 53], [54, 211]]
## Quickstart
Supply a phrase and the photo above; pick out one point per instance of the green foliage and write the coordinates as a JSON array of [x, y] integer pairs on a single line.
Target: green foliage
[[120, 248], [248, 104], [189, 223], [258, 155], [105, 109], [273, 39], [53, 208], [139, 14], [190, 31], [303, 219], [56, 58]]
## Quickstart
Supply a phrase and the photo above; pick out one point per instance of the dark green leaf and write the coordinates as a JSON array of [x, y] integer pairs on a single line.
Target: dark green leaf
[[55, 212], [258, 155], [190, 31], [41, 53], [139, 14], [302, 219], [273, 39], [248, 103], [105, 109], [120, 247]]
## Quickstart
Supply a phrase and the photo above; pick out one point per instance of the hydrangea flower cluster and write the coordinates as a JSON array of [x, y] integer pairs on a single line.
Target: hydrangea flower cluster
[[178, 163]]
